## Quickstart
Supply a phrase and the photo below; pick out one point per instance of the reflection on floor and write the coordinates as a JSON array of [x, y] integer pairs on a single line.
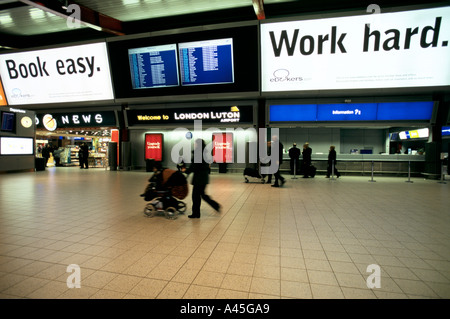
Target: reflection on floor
[[311, 238]]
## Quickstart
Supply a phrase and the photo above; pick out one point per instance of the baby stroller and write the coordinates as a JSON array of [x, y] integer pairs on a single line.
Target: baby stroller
[[165, 192]]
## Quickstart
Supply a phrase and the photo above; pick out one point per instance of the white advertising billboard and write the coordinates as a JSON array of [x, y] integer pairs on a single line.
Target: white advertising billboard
[[68, 74], [384, 50]]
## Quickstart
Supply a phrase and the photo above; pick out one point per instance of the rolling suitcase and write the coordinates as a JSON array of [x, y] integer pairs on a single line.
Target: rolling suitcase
[[250, 172], [312, 171]]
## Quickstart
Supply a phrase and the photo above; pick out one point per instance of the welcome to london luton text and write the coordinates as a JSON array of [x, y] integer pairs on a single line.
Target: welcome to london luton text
[[307, 45]]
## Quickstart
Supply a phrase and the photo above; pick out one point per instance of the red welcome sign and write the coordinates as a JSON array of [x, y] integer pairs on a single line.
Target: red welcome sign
[[154, 146], [222, 147]]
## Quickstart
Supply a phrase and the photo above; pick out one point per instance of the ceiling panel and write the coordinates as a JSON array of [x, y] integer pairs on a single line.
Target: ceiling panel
[[131, 10]]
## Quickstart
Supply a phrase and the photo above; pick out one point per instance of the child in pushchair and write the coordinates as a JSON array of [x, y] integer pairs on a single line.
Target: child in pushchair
[[164, 193]]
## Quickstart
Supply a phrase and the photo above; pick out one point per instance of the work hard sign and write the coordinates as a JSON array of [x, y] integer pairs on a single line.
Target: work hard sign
[[378, 50]]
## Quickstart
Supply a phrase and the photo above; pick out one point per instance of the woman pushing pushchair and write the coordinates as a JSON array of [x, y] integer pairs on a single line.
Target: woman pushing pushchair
[[165, 191]]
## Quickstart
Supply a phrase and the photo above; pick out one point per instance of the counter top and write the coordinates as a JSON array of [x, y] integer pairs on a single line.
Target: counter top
[[367, 157]]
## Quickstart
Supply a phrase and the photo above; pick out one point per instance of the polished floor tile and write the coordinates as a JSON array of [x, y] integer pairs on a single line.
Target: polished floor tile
[[309, 239]]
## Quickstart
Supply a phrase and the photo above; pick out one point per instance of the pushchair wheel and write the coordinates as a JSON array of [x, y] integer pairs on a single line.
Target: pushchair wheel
[[181, 207], [246, 180], [171, 213], [150, 210]]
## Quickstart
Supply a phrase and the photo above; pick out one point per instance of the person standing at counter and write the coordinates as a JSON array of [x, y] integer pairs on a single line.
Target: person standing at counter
[[294, 154], [307, 152], [331, 162]]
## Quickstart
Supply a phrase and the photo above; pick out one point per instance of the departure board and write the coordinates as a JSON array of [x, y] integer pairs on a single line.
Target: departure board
[[206, 62], [153, 67]]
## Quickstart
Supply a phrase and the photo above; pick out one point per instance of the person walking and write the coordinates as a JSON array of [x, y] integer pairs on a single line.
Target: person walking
[[199, 181], [307, 152], [278, 177], [331, 162], [294, 154]]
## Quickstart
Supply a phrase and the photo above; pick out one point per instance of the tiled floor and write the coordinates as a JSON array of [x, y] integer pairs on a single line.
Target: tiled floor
[[312, 238]]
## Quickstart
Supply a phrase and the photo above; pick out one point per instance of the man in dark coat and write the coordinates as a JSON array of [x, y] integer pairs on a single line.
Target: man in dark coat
[[307, 152], [83, 155], [294, 154], [200, 179], [277, 175]]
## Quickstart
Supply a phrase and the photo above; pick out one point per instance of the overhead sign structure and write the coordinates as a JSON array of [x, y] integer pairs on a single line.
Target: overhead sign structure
[[388, 111], [386, 50], [81, 119], [69, 74], [219, 114]]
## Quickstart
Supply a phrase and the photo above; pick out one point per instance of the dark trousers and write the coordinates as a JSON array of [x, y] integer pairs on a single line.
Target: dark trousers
[[278, 176], [84, 162], [329, 170], [305, 168], [198, 193]]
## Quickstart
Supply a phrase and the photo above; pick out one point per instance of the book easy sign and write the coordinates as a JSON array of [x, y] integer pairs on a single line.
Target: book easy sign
[[69, 74], [153, 146], [386, 50]]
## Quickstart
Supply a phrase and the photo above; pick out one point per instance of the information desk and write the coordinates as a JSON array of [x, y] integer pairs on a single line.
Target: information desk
[[361, 164]]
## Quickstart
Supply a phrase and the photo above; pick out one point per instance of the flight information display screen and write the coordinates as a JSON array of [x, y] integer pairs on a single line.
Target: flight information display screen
[[206, 62], [153, 67]]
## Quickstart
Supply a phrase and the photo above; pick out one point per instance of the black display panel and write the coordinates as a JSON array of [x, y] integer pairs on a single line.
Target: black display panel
[[243, 55], [8, 121]]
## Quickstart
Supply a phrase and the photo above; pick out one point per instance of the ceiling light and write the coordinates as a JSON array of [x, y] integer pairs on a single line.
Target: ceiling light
[[6, 19]]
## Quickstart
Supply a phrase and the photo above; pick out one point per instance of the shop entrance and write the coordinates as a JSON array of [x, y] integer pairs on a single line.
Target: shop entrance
[[62, 146]]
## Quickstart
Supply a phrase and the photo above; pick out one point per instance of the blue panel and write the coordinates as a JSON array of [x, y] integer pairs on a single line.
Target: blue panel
[[347, 112], [293, 113], [405, 111], [446, 131]]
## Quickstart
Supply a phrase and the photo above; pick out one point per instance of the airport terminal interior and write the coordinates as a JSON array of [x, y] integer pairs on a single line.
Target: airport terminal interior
[[124, 86], [311, 238]]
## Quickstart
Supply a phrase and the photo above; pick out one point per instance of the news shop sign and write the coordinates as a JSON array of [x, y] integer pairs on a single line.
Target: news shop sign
[[154, 146], [68, 74], [386, 50]]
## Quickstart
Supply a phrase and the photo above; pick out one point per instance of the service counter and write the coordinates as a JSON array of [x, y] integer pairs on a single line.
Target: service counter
[[361, 164]]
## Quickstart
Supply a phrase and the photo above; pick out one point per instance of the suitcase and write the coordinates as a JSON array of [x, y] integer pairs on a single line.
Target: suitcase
[[312, 171], [250, 172]]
